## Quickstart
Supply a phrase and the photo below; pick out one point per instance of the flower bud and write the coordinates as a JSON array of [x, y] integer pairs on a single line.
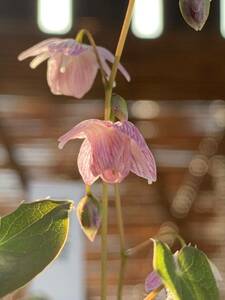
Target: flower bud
[[118, 108], [195, 12], [89, 215]]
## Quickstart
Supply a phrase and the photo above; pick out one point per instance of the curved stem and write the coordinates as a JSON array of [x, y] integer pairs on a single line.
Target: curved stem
[[79, 39], [181, 240], [123, 256], [104, 230]]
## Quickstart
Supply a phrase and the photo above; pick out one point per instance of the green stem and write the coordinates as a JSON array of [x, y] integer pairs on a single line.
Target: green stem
[[120, 218], [181, 240], [123, 261], [88, 189], [118, 54], [108, 95], [139, 247], [104, 230], [123, 256]]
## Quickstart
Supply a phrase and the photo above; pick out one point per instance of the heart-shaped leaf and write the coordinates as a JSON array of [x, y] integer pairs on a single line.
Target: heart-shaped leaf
[[187, 275], [30, 238], [89, 215]]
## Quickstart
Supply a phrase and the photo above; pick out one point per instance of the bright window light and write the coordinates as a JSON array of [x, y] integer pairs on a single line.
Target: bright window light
[[147, 22], [55, 16], [222, 17]]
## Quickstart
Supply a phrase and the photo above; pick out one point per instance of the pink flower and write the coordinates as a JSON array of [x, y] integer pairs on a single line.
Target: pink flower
[[72, 67], [110, 151]]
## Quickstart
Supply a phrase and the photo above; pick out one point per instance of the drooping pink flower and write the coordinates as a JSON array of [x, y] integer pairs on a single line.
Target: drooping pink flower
[[72, 67], [110, 151]]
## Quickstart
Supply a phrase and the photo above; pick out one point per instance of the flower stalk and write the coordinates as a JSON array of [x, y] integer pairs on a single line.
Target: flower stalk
[[118, 54], [104, 231], [108, 96], [123, 256], [107, 113]]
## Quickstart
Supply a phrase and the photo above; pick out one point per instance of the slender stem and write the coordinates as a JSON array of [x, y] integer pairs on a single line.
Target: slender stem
[[123, 256], [123, 261], [104, 230], [88, 189], [181, 240], [119, 51], [119, 218], [138, 248], [108, 95]]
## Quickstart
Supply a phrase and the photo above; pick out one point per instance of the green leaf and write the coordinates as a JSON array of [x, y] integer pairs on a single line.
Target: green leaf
[[30, 238], [189, 277], [89, 215], [197, 273]]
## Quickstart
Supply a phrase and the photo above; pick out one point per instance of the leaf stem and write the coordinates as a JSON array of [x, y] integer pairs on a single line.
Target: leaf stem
[[104, 230]]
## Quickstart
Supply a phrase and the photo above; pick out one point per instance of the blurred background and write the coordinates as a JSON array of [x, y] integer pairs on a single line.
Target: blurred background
[[176, 98]]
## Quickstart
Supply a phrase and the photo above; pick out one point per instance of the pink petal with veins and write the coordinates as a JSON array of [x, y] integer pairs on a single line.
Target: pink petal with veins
[[78, 77], [107, 55], [84, 162], [142, 161], [106, 151]]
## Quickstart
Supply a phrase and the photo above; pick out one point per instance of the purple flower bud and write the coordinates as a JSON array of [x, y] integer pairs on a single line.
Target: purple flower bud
[[195, 12], [89, 215], [152, 282]]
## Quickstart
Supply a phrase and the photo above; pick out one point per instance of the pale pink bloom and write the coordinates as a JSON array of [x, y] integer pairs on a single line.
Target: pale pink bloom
[[72, 67], [110, 151]]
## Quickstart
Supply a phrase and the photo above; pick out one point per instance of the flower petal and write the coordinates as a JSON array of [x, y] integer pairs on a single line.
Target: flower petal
[[82, 130], [38, 48], [152, 282], [39, 59], [78, 76], [111, 155], [110, 151], [68, 47], [107, 55], [143, 162], [84, 162]]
